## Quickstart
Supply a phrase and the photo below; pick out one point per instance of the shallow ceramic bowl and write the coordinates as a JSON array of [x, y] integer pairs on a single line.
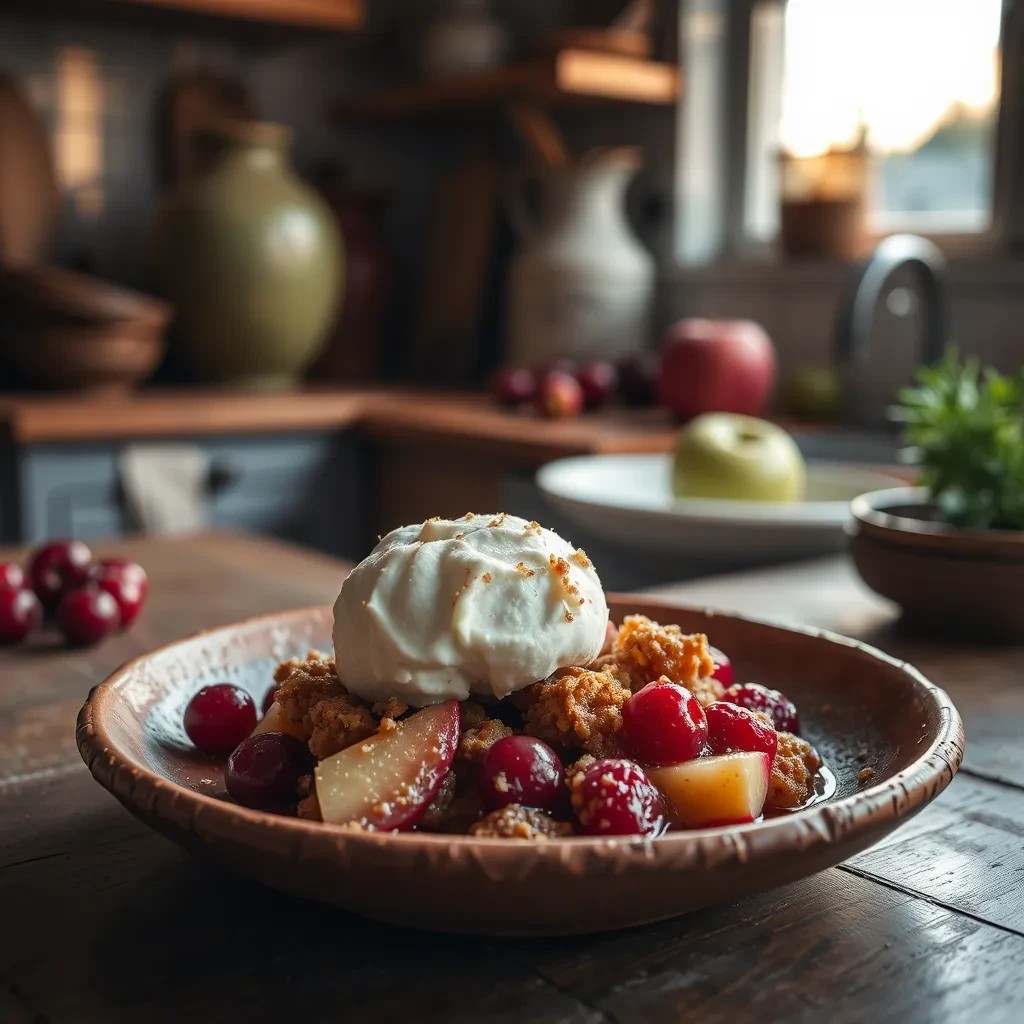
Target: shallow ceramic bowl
[[859, 707], [968, 582], [628, 500]]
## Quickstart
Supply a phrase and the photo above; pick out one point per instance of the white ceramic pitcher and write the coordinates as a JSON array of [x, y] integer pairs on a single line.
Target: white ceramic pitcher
[[581, 285]]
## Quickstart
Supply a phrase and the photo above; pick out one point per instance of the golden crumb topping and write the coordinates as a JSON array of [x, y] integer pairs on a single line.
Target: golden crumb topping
[[649, 650], [792, 780], [517, 822], [579, 709]]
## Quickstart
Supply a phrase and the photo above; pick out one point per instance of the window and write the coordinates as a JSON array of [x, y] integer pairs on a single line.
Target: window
[[916, 81]]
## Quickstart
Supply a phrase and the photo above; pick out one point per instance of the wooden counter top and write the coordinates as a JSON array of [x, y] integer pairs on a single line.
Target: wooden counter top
[[384, 413], [107, 921]]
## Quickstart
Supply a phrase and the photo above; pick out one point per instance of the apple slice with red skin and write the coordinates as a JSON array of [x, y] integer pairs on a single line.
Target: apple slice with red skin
[[386, 783], [726, 789]]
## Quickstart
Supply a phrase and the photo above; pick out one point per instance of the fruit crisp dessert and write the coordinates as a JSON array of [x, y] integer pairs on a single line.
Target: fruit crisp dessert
[[479, 687]]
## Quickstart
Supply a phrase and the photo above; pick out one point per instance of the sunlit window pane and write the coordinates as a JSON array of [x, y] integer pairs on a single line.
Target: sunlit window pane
[[921, 79]]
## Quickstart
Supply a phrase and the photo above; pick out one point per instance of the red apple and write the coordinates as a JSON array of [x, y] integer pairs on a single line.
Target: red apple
[[716, 366], [385, 783]]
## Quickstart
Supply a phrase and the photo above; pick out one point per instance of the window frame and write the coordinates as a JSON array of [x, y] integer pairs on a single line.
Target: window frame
[[728, 91]]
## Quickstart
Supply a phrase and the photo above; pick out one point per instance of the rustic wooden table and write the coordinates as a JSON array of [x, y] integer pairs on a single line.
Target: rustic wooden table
[[103, 920]]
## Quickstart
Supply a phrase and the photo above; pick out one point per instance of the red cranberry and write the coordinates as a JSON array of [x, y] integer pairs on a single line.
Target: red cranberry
[[520, 770], [219, 717], [732, 728], [664, 724], [57, 568], [87, 615], [514, 387], [20, 614], [756, 697], [638, 374], [12, 575], [615, 798], [127, 584], [264, 770], [598, 381], [723, 667], [269, 699], [559, 395]]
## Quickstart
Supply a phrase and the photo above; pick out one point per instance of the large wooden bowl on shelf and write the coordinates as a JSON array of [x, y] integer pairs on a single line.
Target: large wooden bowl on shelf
[[861, 709], [966, 582]]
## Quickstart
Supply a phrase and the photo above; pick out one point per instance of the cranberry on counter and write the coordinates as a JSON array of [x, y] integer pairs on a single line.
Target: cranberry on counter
[[12, 575], [127, 584], [58, 567], [20, 614], [87, 615], [559, 395], [514, 387], [598, 381]]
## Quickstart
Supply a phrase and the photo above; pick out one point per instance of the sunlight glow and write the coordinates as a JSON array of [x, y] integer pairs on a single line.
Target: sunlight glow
[[899, 68]]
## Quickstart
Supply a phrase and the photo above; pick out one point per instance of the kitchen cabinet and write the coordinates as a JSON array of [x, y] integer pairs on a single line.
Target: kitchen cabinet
[[302, 487]]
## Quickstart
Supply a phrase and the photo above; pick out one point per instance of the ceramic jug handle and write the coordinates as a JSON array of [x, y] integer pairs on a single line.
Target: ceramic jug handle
[[523, 220]]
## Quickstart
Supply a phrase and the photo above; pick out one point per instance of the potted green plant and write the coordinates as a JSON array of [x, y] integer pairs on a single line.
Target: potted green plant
[[950, 551]]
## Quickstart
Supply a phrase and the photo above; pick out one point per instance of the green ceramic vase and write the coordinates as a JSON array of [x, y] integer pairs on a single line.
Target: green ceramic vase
[[251, 258]]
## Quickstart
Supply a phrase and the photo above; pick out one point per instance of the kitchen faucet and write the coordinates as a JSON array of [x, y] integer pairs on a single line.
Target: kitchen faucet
[[857, 311]]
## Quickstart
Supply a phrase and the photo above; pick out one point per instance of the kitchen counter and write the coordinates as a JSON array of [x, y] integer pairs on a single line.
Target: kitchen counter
[[106, 920], [383, 413]]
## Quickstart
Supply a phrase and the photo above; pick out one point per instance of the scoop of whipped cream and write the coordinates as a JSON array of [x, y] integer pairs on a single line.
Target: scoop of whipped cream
[[485, 604]]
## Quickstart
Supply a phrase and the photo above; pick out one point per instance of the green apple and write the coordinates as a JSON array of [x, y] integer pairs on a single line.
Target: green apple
[[814, 393], [725, 455]]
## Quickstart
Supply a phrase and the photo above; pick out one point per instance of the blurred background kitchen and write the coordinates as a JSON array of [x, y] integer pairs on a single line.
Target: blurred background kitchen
[[262, 259]]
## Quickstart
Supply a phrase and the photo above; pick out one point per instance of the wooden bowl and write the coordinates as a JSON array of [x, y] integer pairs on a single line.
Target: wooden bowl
[[861, 709], [72, 331], [110, 357], [965, 582]]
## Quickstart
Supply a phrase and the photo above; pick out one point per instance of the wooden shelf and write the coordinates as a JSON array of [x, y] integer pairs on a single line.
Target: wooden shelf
[[337, 15], [566, 78]]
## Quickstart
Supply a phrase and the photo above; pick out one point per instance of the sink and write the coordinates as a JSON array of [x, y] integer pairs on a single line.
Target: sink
[[845, 445]]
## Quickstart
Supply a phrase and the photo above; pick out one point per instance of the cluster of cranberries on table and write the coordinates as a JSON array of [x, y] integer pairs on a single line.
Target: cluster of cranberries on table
[[653, 735], [86, 599]]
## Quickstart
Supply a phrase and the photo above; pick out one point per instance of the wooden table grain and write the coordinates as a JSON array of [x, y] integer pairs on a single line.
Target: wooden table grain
[[103, 920]]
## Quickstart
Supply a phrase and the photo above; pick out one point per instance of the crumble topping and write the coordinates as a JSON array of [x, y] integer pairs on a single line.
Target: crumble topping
[[517, 822], [477, 740], [579, 709], [792, 779], [650, 650]]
